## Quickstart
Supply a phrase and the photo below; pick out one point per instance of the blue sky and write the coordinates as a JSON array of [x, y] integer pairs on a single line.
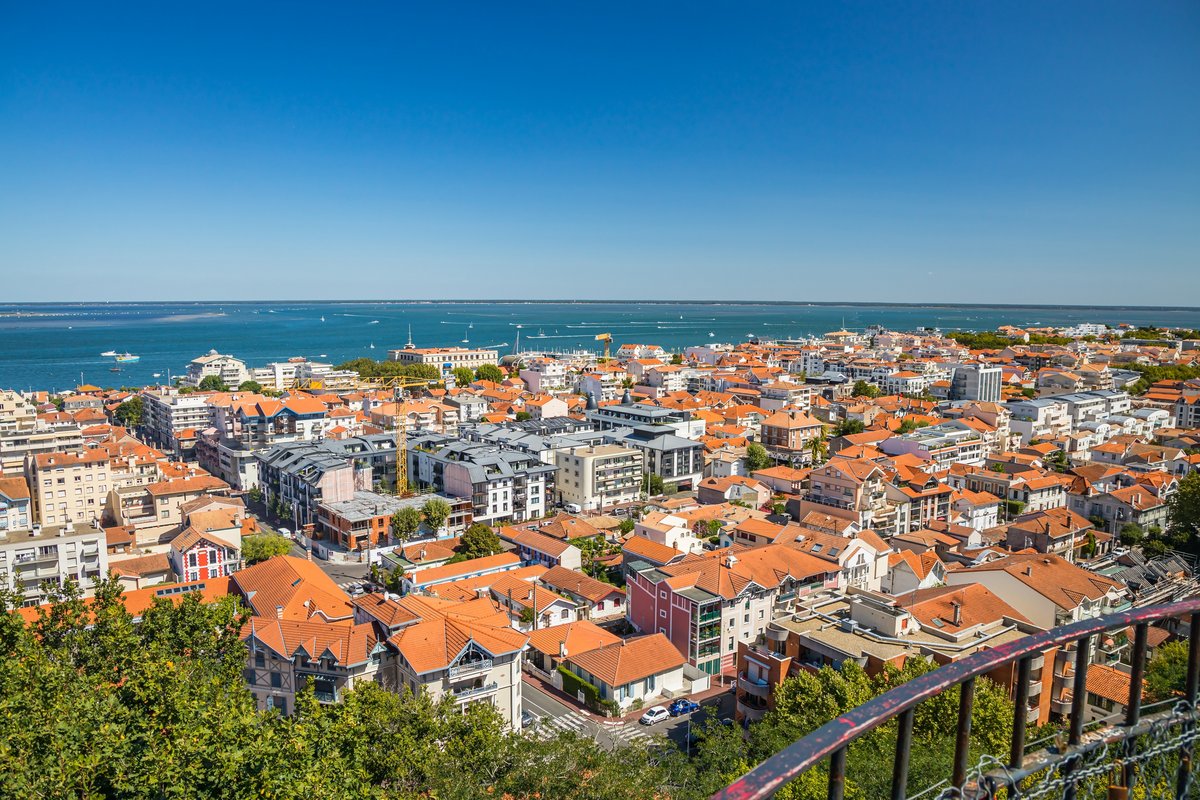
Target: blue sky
[[955, 151]]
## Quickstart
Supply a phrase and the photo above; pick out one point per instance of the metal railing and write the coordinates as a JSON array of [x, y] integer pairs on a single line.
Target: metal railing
[[1113, 750]]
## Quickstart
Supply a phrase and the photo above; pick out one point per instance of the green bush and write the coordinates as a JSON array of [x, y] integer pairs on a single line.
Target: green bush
[[573, 685]]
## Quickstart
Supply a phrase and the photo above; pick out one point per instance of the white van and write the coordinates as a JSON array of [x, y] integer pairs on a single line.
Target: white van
[[572, 508]]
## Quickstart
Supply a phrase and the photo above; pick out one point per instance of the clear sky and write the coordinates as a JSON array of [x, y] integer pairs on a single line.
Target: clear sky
[[997, 151]]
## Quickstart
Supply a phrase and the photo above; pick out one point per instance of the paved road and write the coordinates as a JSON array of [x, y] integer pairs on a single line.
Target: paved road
[[555, 716]]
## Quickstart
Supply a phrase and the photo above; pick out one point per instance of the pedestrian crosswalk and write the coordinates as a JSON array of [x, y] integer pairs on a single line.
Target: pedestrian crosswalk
[[609, 732]]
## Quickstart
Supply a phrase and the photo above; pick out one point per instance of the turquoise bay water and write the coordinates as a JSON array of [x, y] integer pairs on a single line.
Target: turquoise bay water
[[54, 346]]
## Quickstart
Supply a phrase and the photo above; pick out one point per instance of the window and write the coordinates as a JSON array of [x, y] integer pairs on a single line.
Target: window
[[760, 613], [729, 646], [276, 680], [662, 612]]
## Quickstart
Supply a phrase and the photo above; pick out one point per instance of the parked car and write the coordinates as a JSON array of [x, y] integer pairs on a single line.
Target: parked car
[[528, 719], [656, 714], [683, 706], [284, 532], [573, 508]]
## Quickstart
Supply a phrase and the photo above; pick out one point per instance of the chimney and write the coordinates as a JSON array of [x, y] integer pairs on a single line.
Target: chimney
[[957, 606], [562, 649], [730, 560], [1029, 570], [278, 612]]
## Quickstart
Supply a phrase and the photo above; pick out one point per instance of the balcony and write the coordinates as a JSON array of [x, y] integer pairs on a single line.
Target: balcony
[[754, 688], [471, 668], [751, 711], [474, 691], [326, 697]]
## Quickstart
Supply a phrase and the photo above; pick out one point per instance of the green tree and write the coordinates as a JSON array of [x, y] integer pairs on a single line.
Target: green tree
[[129, 413], [262, 546], [489, 372], [849, 427], [1089, 546], [626, 526], [1131, 534], [463, 376], [436, 511], [479, 541], [655, 485], [865, 389], [213, 383], [405, 523], [756, 457], [677, 358], [1166, 673], [250, 386], [255, 494], [521, 416], [1183, 514]]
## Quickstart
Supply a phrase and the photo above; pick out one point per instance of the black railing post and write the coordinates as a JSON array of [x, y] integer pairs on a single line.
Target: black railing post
[[1078, 706], [1189, 690], [1016, 755], [837, 774], [962, 744], [1133, 711], [903, 745]]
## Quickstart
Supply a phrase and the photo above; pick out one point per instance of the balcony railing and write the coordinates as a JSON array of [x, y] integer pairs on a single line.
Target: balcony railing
[[471, 668], [1155, 752], [475, 691]]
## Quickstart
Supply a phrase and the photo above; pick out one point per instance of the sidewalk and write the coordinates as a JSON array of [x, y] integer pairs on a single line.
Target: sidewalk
[[632, 716]]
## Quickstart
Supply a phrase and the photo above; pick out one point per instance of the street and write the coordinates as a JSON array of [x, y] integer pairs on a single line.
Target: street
[[555, 716]]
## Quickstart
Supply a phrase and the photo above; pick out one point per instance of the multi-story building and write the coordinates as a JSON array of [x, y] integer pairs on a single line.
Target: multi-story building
[[446, 359], [788, 435], [856, 489], [167, 415], [942, 624], [300, 475], [51, 555], [16, 512], [502, 484], [976, 382], [15, 413], [952, 442], [597, 477], [231, 371], [66, 487], [706, 604], [546, 375], [19, 443], [1041, 418]]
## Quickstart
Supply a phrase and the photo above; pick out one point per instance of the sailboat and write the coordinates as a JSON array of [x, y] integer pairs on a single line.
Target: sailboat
[[465, 340], [372, 345], [322, 319]]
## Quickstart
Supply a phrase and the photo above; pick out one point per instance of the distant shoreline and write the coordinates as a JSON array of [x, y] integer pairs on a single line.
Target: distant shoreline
[[745, 303]]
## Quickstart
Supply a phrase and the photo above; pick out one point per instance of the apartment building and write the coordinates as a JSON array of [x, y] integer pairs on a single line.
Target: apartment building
[[301, 475], [68, 487], [706, 604], [976, 382], [502, 484], [231, 371], [41, 556], [788, 435], [952, 442], [546, 375], [16, 512], [17, 444], [15, 413], [1041, 418], [858, 490], [170, 420], [938, 624], [598, 477], [446, 359]]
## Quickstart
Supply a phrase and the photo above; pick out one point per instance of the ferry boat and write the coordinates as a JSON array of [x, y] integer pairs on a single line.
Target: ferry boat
[[128, 358]]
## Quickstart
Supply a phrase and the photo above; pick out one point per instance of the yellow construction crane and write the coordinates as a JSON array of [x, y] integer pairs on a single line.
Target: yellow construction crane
[[607, 339], [398, 385]]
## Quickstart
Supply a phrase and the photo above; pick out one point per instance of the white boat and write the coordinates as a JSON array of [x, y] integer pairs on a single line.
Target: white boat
[[711, 334], [373, 322], [108, 354], [158, 374], [372, 345], [322, 319], [128, 358]]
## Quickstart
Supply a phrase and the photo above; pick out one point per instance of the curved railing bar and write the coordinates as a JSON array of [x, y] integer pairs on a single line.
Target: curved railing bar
[[769, 776]]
